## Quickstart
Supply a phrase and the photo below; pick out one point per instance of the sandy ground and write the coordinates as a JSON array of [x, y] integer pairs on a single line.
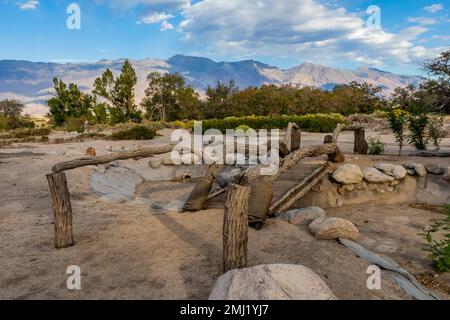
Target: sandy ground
[[126, 251]]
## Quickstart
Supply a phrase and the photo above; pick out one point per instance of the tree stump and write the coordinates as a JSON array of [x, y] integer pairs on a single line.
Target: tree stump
[[62, 209], [361, 145], [296, 136], [235, 228]]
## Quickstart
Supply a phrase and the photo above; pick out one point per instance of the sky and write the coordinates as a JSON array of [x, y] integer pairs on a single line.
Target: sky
[[395, 36]]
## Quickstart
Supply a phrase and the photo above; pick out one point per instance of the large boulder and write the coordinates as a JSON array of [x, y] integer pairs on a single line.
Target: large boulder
[[373, 175], [348, 174], [271, 282], [333, 228], [435, 169], [303, 216], [447, 174], [418, 168], [393, 170]]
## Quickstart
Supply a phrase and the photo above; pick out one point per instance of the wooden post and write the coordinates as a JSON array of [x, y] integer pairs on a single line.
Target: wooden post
[[361, 145], [62, 209], [296, 137], [235, 228], [337, 155]]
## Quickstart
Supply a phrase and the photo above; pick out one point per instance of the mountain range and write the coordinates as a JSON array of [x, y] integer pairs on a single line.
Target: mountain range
[[31, 82]]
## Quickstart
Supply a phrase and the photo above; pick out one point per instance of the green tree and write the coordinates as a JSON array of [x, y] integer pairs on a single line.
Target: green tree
[[119, 93], [439, 84], [169, 98], [219, 100], [69, 102], [11, 115]]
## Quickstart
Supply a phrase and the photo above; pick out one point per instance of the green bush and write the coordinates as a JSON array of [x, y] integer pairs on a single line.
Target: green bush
[[435, 128], [418, 124], [324, 123], [4, 123], [74, 124], [26, 133], [376, 146], [134, 133], [243, 127], [437, 244]]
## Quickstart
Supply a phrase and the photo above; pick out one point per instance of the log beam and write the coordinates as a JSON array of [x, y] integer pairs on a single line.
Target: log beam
[[90, 161]]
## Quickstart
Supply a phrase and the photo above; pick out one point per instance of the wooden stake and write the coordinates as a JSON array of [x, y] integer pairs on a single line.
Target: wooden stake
[[62, 209], [361, 145], [235, 228]]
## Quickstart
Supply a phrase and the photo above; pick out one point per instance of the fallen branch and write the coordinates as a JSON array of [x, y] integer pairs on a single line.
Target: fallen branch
[[90, 161]]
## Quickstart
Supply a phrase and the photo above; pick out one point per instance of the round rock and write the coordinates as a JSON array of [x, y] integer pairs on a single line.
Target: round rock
[[303, 216], [394, 170], [271, 282], [348, 174], [373, 175]]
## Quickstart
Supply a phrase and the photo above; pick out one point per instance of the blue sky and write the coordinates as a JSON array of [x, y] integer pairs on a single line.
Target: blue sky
[[284, 33]]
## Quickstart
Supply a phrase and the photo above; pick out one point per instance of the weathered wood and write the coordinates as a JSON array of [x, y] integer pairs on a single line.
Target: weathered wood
[[361, 145], [337, 155], [299, 191], [199, 195], [344, 127], [235, 228], [294, 136], [62, 209], [217, 193], [139, 154], [291, 141]]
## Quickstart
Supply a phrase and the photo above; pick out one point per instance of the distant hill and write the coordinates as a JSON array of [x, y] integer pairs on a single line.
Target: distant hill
[[31, 82]]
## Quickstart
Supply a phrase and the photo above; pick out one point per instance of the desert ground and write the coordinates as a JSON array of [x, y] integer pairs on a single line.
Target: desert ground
[[131, 251]]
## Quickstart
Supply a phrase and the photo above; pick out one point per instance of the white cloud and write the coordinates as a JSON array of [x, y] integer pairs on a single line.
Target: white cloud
[[166, 26], [443, 37], [155, 17], [29, 5], [434, 8], [154, 5], [423, 20], [307, 28]]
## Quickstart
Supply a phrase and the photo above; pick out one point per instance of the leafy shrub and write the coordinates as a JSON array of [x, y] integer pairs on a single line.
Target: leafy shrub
[[435, 128], [74, 124], [4, 124], [243, 127], [361, 118], [398, 119], [324, 123], [418, 124], [134, 133], [437, 239], [379, 114], [26, 133], [376, 146]]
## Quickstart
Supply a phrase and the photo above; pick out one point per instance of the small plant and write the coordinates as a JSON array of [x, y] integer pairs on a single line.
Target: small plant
[[397, 121], [418, 124], [74, 124], [243, 127], [134, 133], [437, 244], [376, 146], [435, 127]]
